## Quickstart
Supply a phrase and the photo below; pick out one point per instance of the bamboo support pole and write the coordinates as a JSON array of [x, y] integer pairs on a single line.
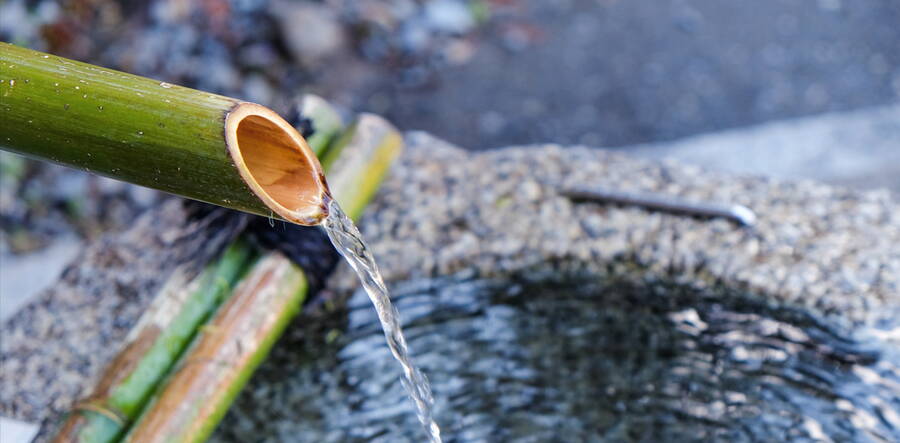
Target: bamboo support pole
[[223, 357], [370, 144], [327, 123], [172, 319], [179, 140], [151, 349]]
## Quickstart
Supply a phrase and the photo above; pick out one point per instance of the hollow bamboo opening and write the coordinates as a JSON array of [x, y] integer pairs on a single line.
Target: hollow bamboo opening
[[277, 164]]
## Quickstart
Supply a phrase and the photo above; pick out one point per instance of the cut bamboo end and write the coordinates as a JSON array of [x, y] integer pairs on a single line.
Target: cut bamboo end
[[277, 164]]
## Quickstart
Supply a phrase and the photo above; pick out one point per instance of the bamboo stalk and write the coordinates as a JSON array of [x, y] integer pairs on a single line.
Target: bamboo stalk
[[234, 343], [151, 349], [370, 144], [199, 393], [173, 317], [191, 143], [327, 122]]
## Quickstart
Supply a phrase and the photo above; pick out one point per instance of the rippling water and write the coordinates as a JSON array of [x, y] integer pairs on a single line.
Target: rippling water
[[579, 360]]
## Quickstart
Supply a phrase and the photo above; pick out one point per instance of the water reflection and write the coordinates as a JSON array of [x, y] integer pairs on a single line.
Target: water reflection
[[573, 361]]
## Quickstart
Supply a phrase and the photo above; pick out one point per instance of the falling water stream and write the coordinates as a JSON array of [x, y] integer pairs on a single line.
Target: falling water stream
[[347, 240]]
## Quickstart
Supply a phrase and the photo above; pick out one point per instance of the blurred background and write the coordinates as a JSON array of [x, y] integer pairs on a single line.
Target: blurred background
[[791, 89], [786, 88]]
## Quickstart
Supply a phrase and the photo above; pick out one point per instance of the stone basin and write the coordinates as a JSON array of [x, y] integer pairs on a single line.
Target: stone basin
[[698, 328]]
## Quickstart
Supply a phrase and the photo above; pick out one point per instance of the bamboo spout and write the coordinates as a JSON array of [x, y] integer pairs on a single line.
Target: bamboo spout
[[178, 140], [277, 163]]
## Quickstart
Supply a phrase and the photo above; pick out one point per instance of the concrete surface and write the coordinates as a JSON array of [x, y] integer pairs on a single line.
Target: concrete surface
[[859, 149], [23, 277], [16, 431]]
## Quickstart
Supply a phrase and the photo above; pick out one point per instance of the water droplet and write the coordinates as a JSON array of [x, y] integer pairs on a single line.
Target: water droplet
[[12, 82], [165, 85], [82, 81], [83, 95], [77, 87], [56, 84], [142, 133], [27, 81], [100, 107], [45, 56], [66, 106]]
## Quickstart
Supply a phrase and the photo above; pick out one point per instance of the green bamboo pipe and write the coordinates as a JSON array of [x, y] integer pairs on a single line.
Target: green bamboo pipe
[[326, 122], [178, 140]]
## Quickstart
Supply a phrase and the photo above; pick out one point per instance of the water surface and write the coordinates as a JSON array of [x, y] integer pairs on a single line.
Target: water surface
[[573, 360]]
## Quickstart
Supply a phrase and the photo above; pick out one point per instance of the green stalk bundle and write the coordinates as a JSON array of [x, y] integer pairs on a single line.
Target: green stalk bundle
[[233, 344]]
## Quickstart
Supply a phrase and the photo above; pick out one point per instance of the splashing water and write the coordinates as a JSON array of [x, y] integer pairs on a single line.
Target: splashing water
[[346, 238]]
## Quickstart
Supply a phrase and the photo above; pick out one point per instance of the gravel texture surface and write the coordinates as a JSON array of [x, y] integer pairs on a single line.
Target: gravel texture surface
[[814, 246], [826, 250]]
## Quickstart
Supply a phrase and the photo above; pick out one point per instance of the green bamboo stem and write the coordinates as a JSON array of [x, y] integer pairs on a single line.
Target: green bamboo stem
[[179, 140], [327, 122], [370, 144], [198, 394], [224, 356], [172, 319], [151, 349]]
